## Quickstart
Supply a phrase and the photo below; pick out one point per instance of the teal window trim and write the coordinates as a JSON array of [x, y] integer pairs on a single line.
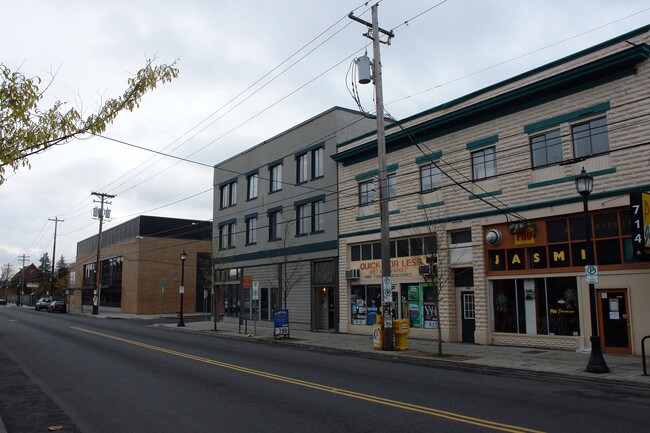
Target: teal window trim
[[568, 117], [430, 205], [250, 216], [376, 215], [252, 172], [483, 142], [274, 163], [367, 175], [368, 217], [569, 178], [274, 210], [429, 158], [487, 194], [309, 200], [374, 173]]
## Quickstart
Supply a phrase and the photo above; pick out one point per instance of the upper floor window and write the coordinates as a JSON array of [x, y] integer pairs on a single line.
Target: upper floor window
[[546, 149], [429, 177], [392, 185], [317, 163], [366, 192], [302, 220], [227, 235], [251, 230], [317, 216], [252, 181], [275, 225], [276, 177], [590, 138], [228, 194], [302, 166], [484, 163]]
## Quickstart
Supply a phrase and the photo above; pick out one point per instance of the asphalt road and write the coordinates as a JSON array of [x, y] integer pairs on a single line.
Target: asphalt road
[[94, 376]]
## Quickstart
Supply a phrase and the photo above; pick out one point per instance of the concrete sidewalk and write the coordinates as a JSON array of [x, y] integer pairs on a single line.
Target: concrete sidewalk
[[624, 369]]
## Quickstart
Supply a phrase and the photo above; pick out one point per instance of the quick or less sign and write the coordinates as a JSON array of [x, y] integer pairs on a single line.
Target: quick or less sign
[[640, 203]]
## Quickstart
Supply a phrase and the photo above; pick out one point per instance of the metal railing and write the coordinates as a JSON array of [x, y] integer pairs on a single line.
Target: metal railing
[[645, 371]]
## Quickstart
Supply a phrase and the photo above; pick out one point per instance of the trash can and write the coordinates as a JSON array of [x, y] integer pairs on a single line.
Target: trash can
[[400, 330], [377, 334]]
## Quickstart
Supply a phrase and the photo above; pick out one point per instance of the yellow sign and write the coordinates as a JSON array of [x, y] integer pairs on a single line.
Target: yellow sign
[[525, 238]]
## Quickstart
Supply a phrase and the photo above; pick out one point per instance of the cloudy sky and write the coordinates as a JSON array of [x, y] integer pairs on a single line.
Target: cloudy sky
[[248, 71]]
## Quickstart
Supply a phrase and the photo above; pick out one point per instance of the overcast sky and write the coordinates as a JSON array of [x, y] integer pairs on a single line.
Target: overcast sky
[[223, 48]]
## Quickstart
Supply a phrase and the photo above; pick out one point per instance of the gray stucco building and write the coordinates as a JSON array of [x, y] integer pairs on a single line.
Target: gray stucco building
[[275, 223]]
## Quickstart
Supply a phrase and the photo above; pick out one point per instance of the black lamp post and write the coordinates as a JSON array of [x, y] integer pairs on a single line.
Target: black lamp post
[[181, 322], [597, 364]]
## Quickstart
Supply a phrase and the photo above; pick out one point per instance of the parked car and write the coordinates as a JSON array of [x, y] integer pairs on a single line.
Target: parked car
[[58, 305], [42, 304], [3, 301]]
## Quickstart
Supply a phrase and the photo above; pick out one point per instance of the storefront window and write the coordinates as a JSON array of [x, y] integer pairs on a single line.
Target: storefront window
[[365, 304], [545, 306], [419, 306]]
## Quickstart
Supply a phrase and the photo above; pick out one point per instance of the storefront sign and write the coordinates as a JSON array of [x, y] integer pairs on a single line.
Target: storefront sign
[[403, 267], [525, 238], [640, 211]]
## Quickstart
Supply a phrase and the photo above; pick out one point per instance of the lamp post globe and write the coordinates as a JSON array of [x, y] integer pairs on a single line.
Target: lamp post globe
[[181, 321], [584, 186]]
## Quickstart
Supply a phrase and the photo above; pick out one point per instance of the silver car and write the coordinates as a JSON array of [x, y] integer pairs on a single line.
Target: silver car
[[42, 304]]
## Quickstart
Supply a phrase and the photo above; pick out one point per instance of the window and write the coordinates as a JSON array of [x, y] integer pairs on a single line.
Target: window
[[461, 237], [365, 302], [463, 277], [317, 163], [366, 192], [228, 194], [590, 138], [429, 177], [302, 164], [546, 149], [276, 177], [251, 230], [275, 223], [555, 302], [392, 186], [251, 182], [227, 235], [484, 163], [302, 220], [317, 216]]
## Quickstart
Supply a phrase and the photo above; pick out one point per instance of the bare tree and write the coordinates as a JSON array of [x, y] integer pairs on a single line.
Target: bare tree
[[287, 271]]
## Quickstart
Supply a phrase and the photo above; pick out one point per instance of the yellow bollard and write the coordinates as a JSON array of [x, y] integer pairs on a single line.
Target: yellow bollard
[[401, 330]]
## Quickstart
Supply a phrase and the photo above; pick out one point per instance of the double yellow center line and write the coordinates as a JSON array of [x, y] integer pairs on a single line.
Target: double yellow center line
[[324, 388]]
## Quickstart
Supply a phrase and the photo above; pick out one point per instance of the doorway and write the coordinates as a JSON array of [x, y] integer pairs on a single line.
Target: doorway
[[468, 316], [324, 308], [614, 320]]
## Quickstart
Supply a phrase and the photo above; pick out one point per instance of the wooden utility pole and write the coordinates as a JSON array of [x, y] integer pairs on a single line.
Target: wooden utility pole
[[56, 223], [386, 289], [97, 295], [19, 292]]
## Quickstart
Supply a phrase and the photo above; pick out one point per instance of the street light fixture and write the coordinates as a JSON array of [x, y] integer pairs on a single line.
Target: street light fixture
[[597, 364], [181, 322]]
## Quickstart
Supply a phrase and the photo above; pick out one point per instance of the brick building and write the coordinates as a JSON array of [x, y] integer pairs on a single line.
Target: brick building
[[486, 184], [141, 267]]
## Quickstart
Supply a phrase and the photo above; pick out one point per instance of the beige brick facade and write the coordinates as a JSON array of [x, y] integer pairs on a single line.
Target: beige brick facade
[[610, 81]]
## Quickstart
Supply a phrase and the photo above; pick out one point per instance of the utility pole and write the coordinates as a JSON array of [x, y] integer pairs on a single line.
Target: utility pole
[[386, 292], [20, 291], [8, 265], [96, 296], [56, 223]]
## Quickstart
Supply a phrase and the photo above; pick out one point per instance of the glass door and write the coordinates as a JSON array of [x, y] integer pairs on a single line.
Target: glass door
[[614, 320]]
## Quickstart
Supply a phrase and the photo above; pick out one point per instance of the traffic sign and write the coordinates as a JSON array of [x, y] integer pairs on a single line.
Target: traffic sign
[[591, 274], [256, 290]]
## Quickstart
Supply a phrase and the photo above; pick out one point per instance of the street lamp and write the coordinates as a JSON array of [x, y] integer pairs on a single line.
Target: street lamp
[[584, 185], [181, 322]]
